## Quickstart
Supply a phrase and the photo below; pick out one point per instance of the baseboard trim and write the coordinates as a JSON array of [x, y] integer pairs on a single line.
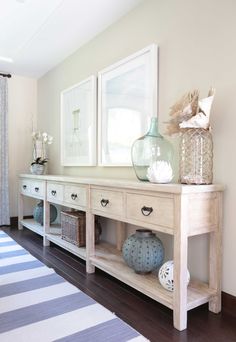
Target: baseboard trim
[[14, 221], [229, 304]]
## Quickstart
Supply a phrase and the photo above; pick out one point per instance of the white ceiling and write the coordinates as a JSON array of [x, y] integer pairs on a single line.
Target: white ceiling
[[39, 34]]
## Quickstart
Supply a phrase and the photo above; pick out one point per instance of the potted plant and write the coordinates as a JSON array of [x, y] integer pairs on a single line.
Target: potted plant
[[38, 166], [40, 153]]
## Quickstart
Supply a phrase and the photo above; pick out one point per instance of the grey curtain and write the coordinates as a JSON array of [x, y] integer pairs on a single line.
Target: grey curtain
[[4, 186]]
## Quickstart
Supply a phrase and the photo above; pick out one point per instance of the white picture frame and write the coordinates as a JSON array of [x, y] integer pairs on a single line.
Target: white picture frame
[[127, 99], [78, 124]]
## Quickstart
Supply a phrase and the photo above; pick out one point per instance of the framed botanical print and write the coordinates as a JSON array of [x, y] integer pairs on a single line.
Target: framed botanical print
[[127, 99], [78, 124]]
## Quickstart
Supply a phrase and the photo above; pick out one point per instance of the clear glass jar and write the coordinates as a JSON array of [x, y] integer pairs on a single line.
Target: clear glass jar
[[196, 156], [152, 156]]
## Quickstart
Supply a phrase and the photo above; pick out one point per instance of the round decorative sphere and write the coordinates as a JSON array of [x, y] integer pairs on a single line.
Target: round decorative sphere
[[143, 251], [166, 275], [38, 213]]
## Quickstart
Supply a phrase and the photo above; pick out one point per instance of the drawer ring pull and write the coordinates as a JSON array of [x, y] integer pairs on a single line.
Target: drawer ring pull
[[104, 202], [74, 196], [24, 187], [36, 189], [53, 192], [146, 211]]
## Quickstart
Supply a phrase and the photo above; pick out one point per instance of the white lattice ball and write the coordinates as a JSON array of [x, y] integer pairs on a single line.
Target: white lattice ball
[[166, 275]]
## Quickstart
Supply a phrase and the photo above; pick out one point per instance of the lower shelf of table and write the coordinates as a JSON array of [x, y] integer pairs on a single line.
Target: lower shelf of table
[[78, 251], [110, 260], [38, 228], [54, 236], [33, 225]]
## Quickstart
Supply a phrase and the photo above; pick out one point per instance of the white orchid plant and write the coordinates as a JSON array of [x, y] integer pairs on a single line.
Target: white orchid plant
[[40, 142]]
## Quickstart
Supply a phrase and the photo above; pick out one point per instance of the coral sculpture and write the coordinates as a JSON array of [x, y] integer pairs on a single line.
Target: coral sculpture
[[190, 112]]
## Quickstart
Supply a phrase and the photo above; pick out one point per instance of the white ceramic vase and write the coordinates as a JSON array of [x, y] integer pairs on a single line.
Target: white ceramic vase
[[37, 169]]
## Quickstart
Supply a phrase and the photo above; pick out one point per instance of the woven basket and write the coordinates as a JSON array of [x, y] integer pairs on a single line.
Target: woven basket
[[73, 224]]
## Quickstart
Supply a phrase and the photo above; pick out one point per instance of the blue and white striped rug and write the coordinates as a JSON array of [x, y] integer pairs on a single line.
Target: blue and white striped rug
[[36, 304]]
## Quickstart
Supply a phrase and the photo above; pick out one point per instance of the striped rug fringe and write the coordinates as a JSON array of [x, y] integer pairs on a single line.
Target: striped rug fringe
[[36, 304]]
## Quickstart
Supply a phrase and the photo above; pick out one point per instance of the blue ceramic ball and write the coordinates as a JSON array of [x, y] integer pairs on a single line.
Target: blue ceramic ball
[[38, 213], [143, 251]]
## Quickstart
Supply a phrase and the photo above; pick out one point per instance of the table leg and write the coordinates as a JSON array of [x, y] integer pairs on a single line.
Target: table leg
[[180, 264], [215, 257], [20, 211], [90, 241]]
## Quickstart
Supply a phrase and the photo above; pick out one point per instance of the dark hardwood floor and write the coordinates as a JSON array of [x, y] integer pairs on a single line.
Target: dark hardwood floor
[[150, 318]]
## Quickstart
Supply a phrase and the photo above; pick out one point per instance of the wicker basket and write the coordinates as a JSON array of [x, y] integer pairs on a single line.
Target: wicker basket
[[73, 224]]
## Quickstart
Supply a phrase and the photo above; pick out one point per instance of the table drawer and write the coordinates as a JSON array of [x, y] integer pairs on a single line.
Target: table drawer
[[37, 188], [151, 209], [55, 192], [107, 201], [75, 195], [24, 185]]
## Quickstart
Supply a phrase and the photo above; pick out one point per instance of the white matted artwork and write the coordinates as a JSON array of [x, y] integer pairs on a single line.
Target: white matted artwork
[[78, 124], [127, 99]]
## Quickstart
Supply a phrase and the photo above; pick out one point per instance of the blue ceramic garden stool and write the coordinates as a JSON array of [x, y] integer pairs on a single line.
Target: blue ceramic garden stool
[[143, 251], [38, 213]]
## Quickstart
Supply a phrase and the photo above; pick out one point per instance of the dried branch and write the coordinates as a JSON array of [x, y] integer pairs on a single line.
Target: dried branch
[[189, 109]]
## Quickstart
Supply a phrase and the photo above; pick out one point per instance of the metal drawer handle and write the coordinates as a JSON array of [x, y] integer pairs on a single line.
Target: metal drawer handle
[[36, 189], [53, 192], [24, 187], [74, 196], [104, 202], [146, 211]]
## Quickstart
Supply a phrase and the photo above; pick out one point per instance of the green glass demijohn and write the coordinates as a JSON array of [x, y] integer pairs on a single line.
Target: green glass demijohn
[[152, 156]]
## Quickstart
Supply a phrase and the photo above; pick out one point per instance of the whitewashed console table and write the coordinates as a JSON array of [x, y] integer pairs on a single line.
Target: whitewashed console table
[[175, 209]]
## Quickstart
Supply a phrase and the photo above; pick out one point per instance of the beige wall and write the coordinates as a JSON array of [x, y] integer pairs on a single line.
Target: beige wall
[[197, 48], [22, 108]]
